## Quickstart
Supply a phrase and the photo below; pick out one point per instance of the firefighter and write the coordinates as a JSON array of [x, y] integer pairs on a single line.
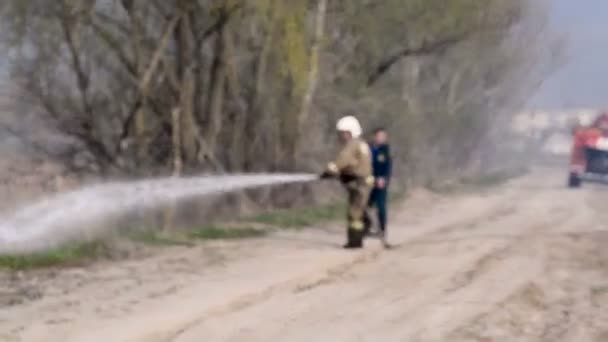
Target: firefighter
[[353, 167], [382, 167]]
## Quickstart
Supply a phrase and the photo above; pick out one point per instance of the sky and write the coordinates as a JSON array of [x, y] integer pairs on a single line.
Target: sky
[[582, 81]]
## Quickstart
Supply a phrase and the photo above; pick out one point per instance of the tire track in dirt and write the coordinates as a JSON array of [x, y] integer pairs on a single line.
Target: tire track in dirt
[[502, 256], [492, 259], [496, 215], [490, 214], [507, 246], [559, 306], [459, 260], [309, 282], [298, 285], [295, 286], [416, 299], [545, 308]]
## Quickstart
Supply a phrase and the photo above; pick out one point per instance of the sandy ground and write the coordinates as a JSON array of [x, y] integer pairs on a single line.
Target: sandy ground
[[526, 261]]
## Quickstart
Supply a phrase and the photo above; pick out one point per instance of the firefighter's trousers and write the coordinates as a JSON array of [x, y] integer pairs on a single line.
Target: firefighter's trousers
[[358, 220]]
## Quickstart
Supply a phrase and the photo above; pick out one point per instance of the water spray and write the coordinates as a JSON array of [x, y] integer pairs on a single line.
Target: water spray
[[58, 219]]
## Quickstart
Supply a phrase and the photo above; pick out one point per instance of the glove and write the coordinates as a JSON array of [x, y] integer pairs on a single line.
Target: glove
[[325, 175], [346, 178]]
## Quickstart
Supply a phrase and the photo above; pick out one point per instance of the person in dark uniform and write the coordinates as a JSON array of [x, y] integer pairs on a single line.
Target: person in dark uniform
[[382, 164]]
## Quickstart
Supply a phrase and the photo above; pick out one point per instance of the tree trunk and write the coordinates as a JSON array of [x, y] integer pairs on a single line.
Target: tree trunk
[[237, 151], [190, 133], [216, 97], [313, 75], [138, 54], [176, 123], [144, 87]]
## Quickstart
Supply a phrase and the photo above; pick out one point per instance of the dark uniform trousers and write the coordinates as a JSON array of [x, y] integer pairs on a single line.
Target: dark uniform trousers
[[378, 199], [382, 168]]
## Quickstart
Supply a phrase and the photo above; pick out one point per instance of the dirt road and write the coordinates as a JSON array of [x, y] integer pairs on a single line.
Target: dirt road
[[523, 262]]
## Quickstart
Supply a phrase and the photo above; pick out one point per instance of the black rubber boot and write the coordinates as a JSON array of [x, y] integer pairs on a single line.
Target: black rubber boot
[[347, 246], [355, 239]]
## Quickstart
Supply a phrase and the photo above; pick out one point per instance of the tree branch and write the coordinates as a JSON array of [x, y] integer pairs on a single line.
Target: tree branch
[[224, 16], [425, 49]]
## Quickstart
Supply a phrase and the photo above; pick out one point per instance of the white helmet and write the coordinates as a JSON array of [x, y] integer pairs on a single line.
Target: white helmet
[[349, 124]]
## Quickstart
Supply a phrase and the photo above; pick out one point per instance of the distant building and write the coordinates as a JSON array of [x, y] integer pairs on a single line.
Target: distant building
[[552, 128], [532, 121]]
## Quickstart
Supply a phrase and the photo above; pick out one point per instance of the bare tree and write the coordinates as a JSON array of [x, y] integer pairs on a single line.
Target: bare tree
[[178, 86]]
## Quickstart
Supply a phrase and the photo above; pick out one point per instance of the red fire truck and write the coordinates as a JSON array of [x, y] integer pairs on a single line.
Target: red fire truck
[[589, 156]]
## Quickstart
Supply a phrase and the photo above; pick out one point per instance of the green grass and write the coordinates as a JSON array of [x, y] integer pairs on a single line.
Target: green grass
[[227, 233], [187, 238], [598, 291], [65, 256], [158, 238], [299, 218]]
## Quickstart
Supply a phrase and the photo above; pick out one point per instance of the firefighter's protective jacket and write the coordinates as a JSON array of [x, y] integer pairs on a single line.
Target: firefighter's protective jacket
[[353, 161]]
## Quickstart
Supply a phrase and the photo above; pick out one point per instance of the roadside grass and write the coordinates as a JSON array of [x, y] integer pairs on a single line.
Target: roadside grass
[[245, 228], [156, 238], [189, 238], [599, 291], [220, 232], [300, 218], [74, 255], [257, 226]]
